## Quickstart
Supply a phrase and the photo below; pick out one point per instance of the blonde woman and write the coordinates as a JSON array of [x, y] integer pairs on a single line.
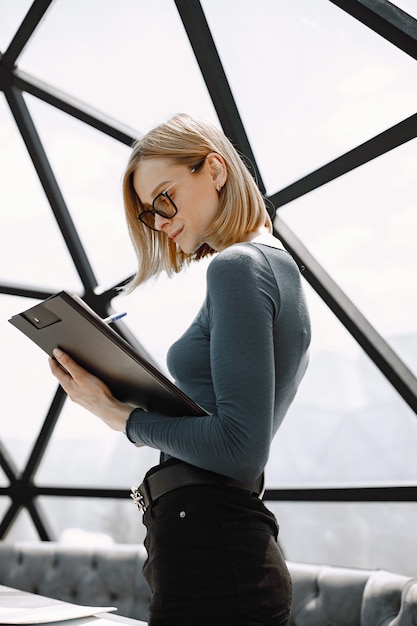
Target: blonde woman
[[213, 558]]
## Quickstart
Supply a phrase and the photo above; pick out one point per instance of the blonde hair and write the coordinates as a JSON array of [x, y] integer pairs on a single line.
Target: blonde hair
[[186, 140]]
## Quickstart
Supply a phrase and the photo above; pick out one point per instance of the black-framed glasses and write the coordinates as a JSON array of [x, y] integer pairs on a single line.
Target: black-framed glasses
[[163, 205]]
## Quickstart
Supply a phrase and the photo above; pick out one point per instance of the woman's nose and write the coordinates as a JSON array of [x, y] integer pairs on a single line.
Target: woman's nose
[[161, 222]]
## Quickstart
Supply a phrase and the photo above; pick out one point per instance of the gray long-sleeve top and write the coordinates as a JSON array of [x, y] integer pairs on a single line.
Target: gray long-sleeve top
[[242, 360]]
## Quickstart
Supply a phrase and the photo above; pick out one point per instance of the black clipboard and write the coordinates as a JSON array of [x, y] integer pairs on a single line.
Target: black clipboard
[[67, 322]]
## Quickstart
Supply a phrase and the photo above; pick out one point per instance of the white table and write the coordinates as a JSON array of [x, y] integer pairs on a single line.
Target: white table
[[22, 607]]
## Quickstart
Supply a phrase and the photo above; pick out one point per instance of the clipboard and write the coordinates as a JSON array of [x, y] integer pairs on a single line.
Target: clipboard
[[67, 322]]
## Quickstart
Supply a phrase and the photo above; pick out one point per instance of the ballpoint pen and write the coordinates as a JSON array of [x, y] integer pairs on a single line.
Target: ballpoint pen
[[113, 318]]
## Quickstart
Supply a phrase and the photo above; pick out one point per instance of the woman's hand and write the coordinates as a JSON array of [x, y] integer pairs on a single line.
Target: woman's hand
[[89, 391]]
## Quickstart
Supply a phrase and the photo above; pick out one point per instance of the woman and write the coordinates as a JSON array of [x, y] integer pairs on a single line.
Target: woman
[[213, 557]]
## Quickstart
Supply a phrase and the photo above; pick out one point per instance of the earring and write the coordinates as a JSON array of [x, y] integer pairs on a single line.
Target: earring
[[218, 188]]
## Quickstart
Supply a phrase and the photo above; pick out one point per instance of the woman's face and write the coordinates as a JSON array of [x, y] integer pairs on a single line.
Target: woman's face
[[194, 194]]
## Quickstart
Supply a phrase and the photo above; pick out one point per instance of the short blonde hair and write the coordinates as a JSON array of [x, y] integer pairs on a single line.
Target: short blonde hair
[[186, 140]]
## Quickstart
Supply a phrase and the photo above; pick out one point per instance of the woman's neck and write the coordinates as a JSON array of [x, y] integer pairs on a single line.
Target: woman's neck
[[262, 235]]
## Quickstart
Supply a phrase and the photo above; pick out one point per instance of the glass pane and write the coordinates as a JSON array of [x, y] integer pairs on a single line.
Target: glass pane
[[365, 535], [27, 385], [409, 6], [95, 520], [22, 529], [131, 60], [11, 15], [84, 452], [32, 250], [361, 228], [4, 505], [4, 482], [341, 427], [310, 81], [89, 167], [175, 300]]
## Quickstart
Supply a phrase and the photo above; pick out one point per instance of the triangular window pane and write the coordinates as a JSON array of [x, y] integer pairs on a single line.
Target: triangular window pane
[[311, 82], [27, 384], [132, 60], [32, 251], [23, 529], [409, 6], [89, 167], [84, 452], [341, 427], [11, 16], [361, 228]]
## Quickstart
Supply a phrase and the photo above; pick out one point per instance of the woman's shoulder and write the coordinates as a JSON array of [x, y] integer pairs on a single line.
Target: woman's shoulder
[[233, 257], [253, 262], [247, 252]]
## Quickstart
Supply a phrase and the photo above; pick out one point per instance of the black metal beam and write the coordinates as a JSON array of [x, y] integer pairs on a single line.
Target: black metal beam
[[44, 436], [344, 494], [9, 517], [372, 343], [7, 464], [385, 493], [22, 495], [377, 146], [74, 107], [40, 161], [30, 491], [22, 490], [40, 522], [83, 492], [36, 293], [386, 19], [30, 23], [211, 67]]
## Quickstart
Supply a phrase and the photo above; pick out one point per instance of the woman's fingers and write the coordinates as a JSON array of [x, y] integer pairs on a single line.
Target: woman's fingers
[[79, 384], [89, 391], [71, 368]]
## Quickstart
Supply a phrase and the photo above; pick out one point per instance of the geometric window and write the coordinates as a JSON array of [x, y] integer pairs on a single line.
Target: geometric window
[[323, 104]]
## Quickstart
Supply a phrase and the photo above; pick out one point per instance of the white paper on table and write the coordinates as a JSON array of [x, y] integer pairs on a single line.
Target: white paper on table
[[21, 607]]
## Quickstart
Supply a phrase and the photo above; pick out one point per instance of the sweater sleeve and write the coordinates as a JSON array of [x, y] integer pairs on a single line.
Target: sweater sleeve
[[235, 439]]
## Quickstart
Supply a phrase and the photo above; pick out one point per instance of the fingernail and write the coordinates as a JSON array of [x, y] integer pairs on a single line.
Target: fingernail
[[57, 352]]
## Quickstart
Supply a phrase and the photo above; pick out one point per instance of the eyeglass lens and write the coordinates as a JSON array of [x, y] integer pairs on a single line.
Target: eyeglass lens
[[162, 205]]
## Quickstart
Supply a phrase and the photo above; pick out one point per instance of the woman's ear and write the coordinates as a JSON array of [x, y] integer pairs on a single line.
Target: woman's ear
[[217, 169]]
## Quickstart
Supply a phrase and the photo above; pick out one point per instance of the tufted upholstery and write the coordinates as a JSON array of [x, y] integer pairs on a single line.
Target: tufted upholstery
[[109, 576], [391, 600], [337, 596], [322, 595], [326, 595]]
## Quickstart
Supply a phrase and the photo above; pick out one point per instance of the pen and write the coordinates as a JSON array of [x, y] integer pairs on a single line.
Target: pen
[[113, 318]]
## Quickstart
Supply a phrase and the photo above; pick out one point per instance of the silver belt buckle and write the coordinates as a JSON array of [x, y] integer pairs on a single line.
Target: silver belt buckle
[[138, 498]]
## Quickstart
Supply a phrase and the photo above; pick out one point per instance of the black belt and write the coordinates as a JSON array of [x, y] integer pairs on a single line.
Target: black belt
[[181, 474]]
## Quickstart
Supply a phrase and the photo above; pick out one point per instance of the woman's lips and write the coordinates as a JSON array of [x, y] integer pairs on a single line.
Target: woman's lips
[[176, 233]]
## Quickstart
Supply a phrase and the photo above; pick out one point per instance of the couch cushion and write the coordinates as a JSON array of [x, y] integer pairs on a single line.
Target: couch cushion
[[325, 595], [389, 600], [110, 576]]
